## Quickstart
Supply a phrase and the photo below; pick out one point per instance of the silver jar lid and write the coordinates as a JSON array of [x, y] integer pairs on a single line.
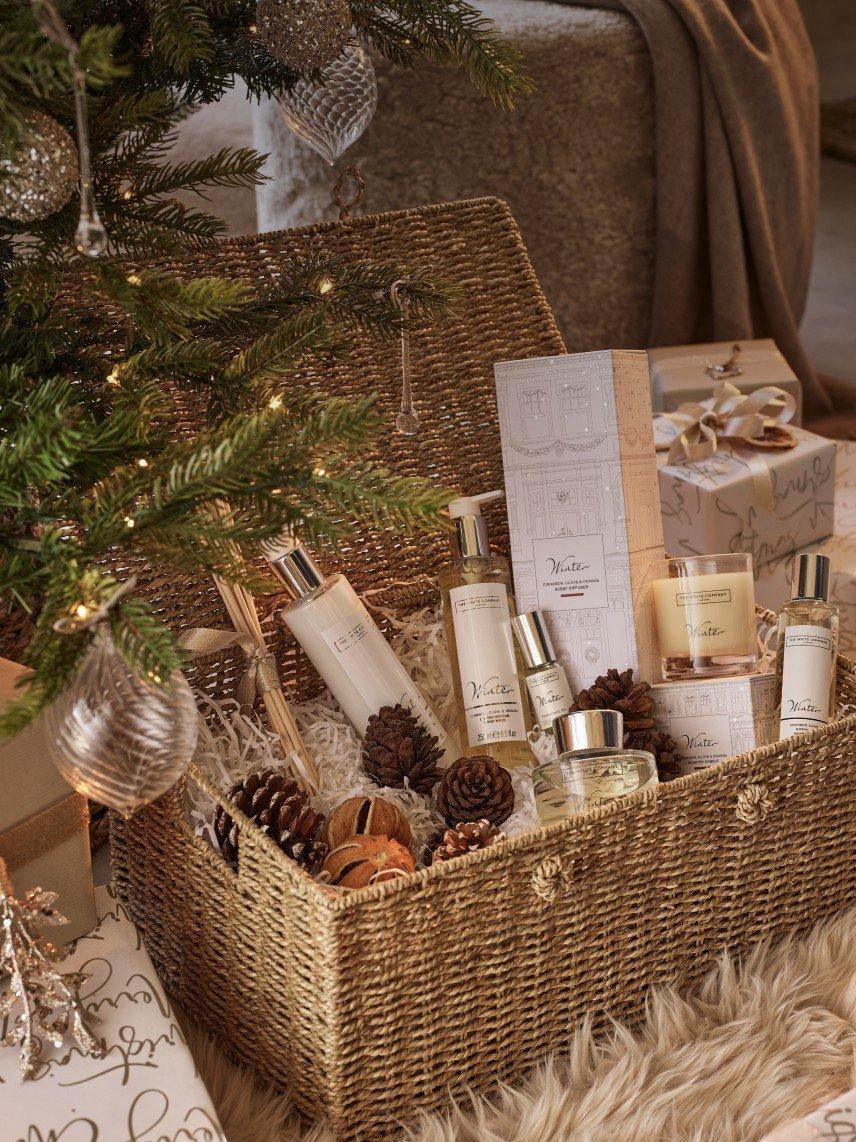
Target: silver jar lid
[[534, 640], [293, 566], [589, 729], [810, 578]]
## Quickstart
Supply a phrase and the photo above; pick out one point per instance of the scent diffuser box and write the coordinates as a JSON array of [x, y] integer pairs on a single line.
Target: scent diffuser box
[[712, 719], [682, 373], [583, 511], [773, 579], [44, 824], [716, 505]]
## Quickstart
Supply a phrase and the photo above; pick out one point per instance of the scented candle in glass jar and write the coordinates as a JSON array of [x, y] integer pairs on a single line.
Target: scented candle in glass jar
[[705, 613]]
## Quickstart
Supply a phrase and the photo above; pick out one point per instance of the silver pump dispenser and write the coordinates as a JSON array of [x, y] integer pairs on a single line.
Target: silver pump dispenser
[[810, 579], [589, 729], [470, 527], [294, 566]]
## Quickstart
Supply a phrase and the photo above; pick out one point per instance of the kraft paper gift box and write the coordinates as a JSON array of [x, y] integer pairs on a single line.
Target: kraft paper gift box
[[711, 719], [146, 1086], [684, 373], [44, 824], [583, 507], [715, 505], [773, 580]]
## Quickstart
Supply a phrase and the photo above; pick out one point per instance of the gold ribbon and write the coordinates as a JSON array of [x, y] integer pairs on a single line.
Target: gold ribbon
[[261, 674], [749, 422], [43, 831]]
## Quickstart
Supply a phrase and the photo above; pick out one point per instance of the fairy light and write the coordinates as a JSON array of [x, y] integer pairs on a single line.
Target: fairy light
[[113, 376], [325, 286], [129, 521], [133, 279], [275, 403], [319, 472], [254, 31], [128, 194], [142, 462], [81, 611]]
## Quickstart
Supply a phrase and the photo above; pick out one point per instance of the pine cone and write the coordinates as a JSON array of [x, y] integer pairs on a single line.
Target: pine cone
[[618, 691], [281, 809], [473, 788], [397, 746], [664, 748], [466, 838]]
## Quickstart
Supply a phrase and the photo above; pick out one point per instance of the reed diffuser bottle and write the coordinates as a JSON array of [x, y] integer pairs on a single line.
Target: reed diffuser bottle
[[478, 603], [805, 654]]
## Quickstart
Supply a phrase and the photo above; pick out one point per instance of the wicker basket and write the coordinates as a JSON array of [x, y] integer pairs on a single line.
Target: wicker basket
[[370, 1005]]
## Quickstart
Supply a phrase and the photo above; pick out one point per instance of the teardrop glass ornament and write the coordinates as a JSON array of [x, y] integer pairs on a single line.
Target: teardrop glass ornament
[[90, 238], [407, 422], [332, 115], [116, 738]]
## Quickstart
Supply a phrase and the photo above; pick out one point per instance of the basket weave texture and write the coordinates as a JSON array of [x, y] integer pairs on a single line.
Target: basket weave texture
[[369, 1005]]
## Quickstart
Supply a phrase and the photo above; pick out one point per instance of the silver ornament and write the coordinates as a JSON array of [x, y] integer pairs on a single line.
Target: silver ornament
[[42, 175], [332, 115], [116, 738], [305, 35]]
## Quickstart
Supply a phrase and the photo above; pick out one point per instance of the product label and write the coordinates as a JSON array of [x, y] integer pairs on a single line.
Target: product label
[[808, 659], [375, 670], [570, 572], [490, 685], [550, 693], [702, 741]]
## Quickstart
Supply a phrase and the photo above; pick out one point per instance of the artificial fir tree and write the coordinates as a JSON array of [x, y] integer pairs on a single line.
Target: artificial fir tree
[[90, 462]]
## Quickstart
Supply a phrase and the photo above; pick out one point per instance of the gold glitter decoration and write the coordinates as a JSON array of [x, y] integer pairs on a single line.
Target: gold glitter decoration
[[39, 1002], [303, 34], [42, 175]]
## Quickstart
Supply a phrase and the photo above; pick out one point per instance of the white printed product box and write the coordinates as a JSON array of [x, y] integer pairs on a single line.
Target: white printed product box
[[773, 580], [583, 505], [711, 719], [682, 373], [713, 506], [834, 1120]]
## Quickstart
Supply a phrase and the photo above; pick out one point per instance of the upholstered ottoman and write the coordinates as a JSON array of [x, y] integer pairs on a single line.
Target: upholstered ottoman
[[575, 161]]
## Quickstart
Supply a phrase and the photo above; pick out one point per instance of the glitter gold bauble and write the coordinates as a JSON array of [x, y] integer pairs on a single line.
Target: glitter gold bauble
[[305, 35], [42, 175]]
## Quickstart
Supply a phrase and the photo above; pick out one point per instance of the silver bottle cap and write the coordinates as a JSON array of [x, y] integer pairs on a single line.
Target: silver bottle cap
[[589, 729], [810, 577], [294, 567], [533, 639], [470, 528]]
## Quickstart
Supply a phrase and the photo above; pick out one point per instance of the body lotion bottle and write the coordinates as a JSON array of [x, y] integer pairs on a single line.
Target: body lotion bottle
[[478, 602], [344, 644], [806, 650]]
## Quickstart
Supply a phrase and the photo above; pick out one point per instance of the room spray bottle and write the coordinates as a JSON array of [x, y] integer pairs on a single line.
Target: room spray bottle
[[478, 603], [344, 644], [806, 650]]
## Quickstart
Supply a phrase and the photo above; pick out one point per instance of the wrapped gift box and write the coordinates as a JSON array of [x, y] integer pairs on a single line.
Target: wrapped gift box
[[146, 1086], [712, 506], [583, 510], [773, 580], [44, 824], [711, 719], [689, 372]]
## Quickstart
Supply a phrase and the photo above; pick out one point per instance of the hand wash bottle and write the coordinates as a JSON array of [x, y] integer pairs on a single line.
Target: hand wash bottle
[[478, 603]]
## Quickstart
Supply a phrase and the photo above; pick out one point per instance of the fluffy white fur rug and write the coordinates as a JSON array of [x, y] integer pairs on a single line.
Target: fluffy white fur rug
[[756, 1044]]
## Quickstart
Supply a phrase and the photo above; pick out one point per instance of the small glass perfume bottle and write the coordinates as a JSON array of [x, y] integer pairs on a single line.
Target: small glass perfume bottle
[[805, 654], [546, 681], [592, 767]]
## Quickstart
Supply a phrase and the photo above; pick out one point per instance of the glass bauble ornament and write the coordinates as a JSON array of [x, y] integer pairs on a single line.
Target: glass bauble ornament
[[116, 738], [332, 115], [41, 176], [305, 35]]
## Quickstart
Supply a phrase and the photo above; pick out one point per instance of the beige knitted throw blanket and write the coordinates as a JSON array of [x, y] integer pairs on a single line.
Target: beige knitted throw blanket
[[736, 109]]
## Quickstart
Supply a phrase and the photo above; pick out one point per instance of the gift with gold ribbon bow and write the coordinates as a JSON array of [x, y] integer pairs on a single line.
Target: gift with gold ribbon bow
[[754, 422]]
